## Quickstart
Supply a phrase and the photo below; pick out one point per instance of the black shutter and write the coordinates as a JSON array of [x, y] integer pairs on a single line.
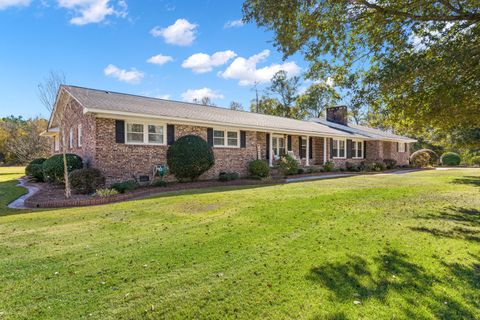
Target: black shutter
[[349, 149], [300, 153], [364, 149], [210, 136], [310, 151], [170, 134], [398, 146], [331, 148], [289, 143], [243, 139], [267, 151], [119, 131]]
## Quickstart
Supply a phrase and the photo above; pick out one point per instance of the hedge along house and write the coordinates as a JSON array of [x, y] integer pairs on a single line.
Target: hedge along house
[[125, 135]]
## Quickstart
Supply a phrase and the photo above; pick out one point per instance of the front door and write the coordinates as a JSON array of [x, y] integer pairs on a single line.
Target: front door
[[278, 146]]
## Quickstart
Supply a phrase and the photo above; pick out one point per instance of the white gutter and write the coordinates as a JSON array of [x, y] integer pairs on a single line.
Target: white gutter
[[114, 114]]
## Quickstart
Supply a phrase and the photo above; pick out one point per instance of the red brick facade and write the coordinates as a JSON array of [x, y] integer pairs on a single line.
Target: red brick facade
[[121, 161]]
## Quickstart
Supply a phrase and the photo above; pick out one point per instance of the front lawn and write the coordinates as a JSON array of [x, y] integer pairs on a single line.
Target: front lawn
[[398, 246]]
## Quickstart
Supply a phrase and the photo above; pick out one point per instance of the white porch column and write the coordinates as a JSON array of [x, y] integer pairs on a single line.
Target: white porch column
[[307, 156], [324, 150], [270, 158]]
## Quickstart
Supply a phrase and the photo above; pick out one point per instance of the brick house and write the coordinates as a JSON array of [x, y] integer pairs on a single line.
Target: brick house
[[125, 135]]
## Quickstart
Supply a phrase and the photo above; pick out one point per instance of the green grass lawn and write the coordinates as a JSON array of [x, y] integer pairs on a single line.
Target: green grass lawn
[[403, 246]]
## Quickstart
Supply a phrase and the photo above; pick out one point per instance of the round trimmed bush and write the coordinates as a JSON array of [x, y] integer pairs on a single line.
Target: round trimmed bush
[[86, 180], [53, 166], [450, 159], [259, 168], [423, 158], [35, 169], [189, 157]]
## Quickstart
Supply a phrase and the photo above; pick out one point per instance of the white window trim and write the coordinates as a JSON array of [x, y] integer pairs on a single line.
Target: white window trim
[[225, 138], [285, 142], [403, 146], [56, 143], [356, 150], [338, 150], [145, 133], [79, 135], [70, 140]]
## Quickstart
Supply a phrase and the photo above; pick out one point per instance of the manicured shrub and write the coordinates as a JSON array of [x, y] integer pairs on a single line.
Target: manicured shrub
[[390, 163], [53, 166], [450, 159], [189, 157], [300, 171], [352, 166], [423, 158], [259, 168], [375, 166], [105, 192], [228, 176], [328, 166], [35, 169], [160, 183], [86, 180], [288, 165], [121, 187], [475, 161]]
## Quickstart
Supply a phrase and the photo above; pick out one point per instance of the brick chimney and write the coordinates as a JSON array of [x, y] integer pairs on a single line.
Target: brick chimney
[[338, 115]]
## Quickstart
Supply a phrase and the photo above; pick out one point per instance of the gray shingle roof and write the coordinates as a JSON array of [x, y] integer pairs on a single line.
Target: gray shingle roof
[[101, 101], [364, 131]]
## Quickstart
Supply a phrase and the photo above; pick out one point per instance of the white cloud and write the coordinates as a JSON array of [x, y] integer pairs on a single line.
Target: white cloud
[[4, 4], [246, 72], [202, 62], [93, 11], [192, 95], [233, 24], [159, 59], [181, 33], [131, 76]]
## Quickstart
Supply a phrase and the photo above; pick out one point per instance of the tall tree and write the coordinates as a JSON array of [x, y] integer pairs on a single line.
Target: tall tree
[[421, 58], [234, 105], [285, 87], [48, 88], [316, 99]]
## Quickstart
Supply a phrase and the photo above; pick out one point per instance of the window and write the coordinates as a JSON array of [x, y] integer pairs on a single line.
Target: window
[[339, 148], [278, 146], [225, 138], [56, 142], [357, 149], [155, 134], [303, 154], [79, 135], [401, 146], [71, 138], [145, 133]]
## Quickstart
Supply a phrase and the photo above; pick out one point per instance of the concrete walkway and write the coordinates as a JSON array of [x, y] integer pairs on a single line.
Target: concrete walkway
[[20, 202]]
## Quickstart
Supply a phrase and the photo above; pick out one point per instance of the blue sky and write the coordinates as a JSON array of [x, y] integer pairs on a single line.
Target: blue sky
[[171, 49]]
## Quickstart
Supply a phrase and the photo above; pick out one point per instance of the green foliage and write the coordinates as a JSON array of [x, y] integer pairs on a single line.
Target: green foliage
[[288, 165], [475, 161], [259, 168], [450, 159], [423, 158], [86, 180], [105, 192], [390, 163], [160, 183], [129, 185], [189, 157], [316, 99], [416, 65], [228, 176], [35, 169], [328, 166], [353, 166], [53, 167], [374, 166]]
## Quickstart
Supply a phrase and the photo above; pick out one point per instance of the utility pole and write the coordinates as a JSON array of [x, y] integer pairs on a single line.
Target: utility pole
[[255, 87]]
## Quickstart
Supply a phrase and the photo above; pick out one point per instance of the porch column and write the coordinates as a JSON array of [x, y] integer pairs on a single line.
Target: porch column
[[324, 150], [307, 162], [270, 158]]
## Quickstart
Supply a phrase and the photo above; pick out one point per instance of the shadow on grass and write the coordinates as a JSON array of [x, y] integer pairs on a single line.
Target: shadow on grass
[[472, 180], [392, 273]]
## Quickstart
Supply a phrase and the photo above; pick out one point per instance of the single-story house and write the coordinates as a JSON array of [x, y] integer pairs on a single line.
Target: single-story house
[[126, 135]]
